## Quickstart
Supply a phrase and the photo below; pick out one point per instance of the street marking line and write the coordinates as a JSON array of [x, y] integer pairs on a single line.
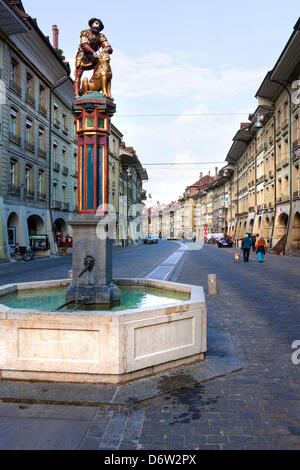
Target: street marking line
[[164, 269]]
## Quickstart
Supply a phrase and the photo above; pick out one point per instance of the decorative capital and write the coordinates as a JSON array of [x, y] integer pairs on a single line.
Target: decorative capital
[[92, 101]]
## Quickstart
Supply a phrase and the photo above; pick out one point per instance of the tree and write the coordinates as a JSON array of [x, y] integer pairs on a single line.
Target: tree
[[60, 53]]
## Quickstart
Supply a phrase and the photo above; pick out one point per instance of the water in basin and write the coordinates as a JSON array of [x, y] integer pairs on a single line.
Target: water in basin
[[131, 297]]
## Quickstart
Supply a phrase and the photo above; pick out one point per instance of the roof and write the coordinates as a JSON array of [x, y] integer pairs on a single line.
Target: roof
[[12, 20], [202, 182], [287, 65]]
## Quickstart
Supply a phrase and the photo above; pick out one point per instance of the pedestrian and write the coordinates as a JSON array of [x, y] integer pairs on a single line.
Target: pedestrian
[[194, 238], [246, 245], [253, 239], [261, 249]]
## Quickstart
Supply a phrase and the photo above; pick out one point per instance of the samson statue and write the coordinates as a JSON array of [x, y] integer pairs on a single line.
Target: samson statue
[[91, 41]]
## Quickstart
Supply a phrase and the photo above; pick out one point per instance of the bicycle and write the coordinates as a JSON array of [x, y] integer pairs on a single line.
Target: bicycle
[[22, 252]]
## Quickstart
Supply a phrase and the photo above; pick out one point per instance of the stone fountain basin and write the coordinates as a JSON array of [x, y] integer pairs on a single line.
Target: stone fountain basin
[[101, 346]]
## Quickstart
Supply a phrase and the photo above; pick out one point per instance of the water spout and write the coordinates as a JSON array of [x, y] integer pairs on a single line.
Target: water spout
[[89, 264]]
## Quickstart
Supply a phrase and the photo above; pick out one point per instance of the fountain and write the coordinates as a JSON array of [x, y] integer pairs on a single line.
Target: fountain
[[84, 330]]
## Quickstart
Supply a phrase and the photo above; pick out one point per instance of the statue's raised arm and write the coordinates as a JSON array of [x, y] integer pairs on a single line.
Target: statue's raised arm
[[91, 41]]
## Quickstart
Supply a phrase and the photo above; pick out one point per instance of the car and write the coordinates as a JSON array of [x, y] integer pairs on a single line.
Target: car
[[150, 240], [224, 242]]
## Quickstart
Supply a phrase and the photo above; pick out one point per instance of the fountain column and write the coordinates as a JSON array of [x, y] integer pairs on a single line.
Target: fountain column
[[92, 250]]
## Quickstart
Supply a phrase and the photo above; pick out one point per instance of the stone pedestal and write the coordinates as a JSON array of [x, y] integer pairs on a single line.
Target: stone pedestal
[[92, 251], [95, 285]]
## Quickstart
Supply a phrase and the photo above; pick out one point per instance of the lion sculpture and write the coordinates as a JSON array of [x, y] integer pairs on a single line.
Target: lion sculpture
[[101, 79]]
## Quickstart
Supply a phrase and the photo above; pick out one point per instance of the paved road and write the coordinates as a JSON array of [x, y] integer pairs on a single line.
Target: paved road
[[132, 261], [256, 408]]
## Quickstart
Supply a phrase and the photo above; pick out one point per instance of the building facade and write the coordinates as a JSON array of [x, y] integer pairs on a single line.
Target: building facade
[[258, 190], [38, 148]]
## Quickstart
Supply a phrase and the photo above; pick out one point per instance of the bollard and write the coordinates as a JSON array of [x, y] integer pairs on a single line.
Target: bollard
[[212, 284], [236, 256]]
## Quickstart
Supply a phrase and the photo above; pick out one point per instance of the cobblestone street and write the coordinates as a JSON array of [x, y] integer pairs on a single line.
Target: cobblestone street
[[256, 408]]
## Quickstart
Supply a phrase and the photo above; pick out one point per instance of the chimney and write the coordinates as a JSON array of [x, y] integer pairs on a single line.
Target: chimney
[[55, 31], [209, 173], [216, 171], [201, 175]]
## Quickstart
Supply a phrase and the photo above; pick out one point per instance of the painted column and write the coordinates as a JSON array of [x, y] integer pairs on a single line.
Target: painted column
[[93, 117]]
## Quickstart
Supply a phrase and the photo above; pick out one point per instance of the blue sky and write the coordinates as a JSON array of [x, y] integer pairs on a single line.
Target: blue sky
[[175, 57]]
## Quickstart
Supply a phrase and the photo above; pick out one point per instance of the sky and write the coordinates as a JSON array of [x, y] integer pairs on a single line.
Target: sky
[[184, 74]]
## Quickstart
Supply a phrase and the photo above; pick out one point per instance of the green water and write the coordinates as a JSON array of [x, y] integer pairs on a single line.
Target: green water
[[131, 297]]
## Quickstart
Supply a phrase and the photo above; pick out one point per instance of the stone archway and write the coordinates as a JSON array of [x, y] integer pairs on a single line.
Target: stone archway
[[282, 224], [13, 229], [251, 224], [36, 225], [296, 231], [60, 226], [259, 224]]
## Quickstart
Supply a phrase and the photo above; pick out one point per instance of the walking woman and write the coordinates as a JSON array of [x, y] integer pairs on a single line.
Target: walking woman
[[261, 249]]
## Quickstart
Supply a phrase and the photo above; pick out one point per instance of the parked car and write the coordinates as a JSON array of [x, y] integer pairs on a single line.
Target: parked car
[[150, 240], [213, 237], [224, 242]]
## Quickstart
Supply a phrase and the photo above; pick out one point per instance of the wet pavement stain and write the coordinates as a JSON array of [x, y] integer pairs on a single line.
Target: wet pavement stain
[[174, 382]]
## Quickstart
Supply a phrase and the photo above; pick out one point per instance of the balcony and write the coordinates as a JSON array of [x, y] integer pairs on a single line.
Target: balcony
[[66, 130], [15, 87], [42, 196], [279, 198], [260, 179], [271, 140], [42, 110], [56, 123], [29, 194], [271, 205], [251, 209], [56, 166], [271, 174], [65, 171], [284, 125], [75, 174], [29, 146], [279, 166], [42, 153], [65, 206], [296, 144], [285, 162], [56, 204], [14, 189], [16, 139], [296, 194], [29, 99]]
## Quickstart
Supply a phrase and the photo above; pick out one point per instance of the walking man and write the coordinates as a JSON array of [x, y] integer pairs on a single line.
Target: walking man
[[253, 239], [246, 245]]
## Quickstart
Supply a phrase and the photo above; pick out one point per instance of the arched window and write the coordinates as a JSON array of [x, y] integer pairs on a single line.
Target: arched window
[[29, 93], [29, 144], [14, 134], [28, 181], [15, 76]]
